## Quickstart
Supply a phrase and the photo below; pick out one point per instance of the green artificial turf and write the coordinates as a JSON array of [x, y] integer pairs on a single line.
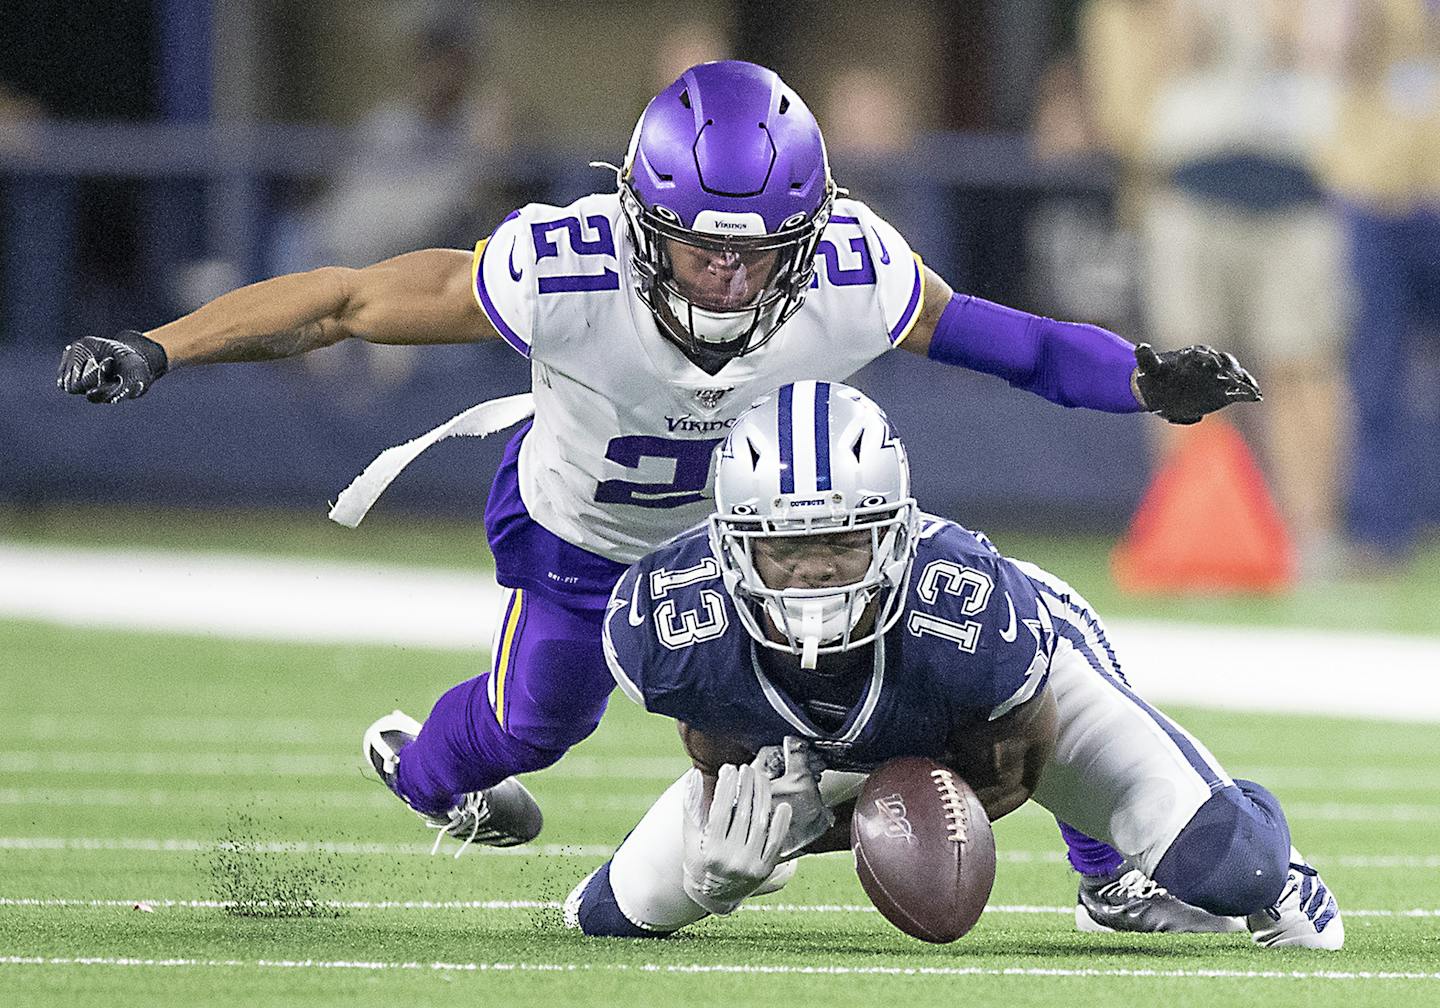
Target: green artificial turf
[[198, 770]]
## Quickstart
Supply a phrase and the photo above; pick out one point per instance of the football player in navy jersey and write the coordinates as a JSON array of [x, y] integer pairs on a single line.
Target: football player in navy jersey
[[821, 624], [725, 263]]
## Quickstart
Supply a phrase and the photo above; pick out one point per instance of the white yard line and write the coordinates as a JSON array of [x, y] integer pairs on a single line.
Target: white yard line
[[175, 845], [1279, 669], [769, 908], [263, 802], [726, 968], [187, 846]]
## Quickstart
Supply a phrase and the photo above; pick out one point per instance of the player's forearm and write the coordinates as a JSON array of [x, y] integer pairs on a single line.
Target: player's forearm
[[1011, 786], [1066, 362], [710, 752], [283, 317], [1002, 759]]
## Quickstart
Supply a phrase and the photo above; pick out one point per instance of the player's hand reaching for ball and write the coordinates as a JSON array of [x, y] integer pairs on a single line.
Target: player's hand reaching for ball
[[109, 370], [793, 769], [1183, 385], [734, 845]]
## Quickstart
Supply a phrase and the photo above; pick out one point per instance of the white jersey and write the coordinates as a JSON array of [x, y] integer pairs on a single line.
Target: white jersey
[[619, 457]]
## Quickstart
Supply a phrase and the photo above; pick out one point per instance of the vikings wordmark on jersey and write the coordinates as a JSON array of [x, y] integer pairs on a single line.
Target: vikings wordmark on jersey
[[619, 456]]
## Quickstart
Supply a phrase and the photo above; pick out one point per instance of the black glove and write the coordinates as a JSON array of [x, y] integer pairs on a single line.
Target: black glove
[[1183, 385], [108, 370]]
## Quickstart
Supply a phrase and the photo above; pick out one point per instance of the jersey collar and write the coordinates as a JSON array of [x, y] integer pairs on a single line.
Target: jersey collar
[[795, 716]]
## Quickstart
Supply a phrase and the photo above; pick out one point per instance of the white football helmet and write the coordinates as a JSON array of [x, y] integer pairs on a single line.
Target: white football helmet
[[815, 467]]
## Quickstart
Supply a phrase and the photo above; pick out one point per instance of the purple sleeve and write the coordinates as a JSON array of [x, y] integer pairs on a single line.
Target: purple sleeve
[[1066, 362]]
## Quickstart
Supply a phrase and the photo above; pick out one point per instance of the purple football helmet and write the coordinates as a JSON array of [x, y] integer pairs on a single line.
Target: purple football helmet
[[726, 190]]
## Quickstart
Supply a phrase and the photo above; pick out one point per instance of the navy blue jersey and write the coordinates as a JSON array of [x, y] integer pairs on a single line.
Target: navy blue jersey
[[974, 640]]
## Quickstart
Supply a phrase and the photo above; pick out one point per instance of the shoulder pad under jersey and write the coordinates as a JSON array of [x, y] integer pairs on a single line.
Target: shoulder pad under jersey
[[662, 614], [859, 248], [974, 610]]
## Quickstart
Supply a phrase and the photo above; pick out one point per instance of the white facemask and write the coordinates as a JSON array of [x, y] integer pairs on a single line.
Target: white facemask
[[816, 621]]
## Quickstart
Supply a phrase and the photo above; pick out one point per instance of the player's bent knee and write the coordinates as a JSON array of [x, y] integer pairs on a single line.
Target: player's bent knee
[[592, 907], [517, 751], [1233, 855]]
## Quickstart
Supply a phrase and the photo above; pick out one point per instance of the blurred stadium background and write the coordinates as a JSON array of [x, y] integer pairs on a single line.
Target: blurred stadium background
[[156, 154], [1061, 156]]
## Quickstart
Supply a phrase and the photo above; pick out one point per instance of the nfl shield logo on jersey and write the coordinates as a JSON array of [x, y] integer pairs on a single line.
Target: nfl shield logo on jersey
[[709, 398]]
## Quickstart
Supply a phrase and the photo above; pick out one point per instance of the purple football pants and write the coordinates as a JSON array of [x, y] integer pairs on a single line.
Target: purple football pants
[[545, 691]]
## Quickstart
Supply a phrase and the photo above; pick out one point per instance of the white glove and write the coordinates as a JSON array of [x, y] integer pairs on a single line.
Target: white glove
[[794, 770], [734, 846]]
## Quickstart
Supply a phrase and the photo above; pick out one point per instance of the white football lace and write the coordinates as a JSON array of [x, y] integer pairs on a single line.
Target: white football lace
[[1134, 884], [473, 811]]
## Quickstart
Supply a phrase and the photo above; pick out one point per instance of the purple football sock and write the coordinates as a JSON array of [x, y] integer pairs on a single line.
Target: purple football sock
[[1089, 856], [462, 748]]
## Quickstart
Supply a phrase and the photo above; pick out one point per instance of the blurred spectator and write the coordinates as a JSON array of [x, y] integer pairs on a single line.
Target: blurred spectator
[[17, 112], [865, 113], [682, 46], [421, 170], [424, 172], [1219, 109], [1082, 248], [1385, 166], [1061, 128], [871, 125]]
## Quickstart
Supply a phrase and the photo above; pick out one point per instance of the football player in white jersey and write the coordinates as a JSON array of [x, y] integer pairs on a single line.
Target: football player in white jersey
[[726, 263]]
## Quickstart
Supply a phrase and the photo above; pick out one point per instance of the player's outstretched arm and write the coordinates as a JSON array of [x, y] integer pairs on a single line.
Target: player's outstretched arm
[[1074, 364], [417, 298], [1002, 759]]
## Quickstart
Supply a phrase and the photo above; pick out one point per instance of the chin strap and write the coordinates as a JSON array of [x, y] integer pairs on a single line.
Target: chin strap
[[619, 172], [811, 622]]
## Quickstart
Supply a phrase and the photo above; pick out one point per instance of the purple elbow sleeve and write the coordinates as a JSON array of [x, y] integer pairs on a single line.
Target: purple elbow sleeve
[[1069, 363]]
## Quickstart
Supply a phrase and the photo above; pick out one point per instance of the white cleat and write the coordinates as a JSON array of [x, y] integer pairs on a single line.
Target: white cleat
[[570, 910], [382, 744], [1305, 916]]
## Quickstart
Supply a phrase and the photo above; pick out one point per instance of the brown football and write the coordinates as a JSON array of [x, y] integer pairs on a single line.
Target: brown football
[[923, 848]]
